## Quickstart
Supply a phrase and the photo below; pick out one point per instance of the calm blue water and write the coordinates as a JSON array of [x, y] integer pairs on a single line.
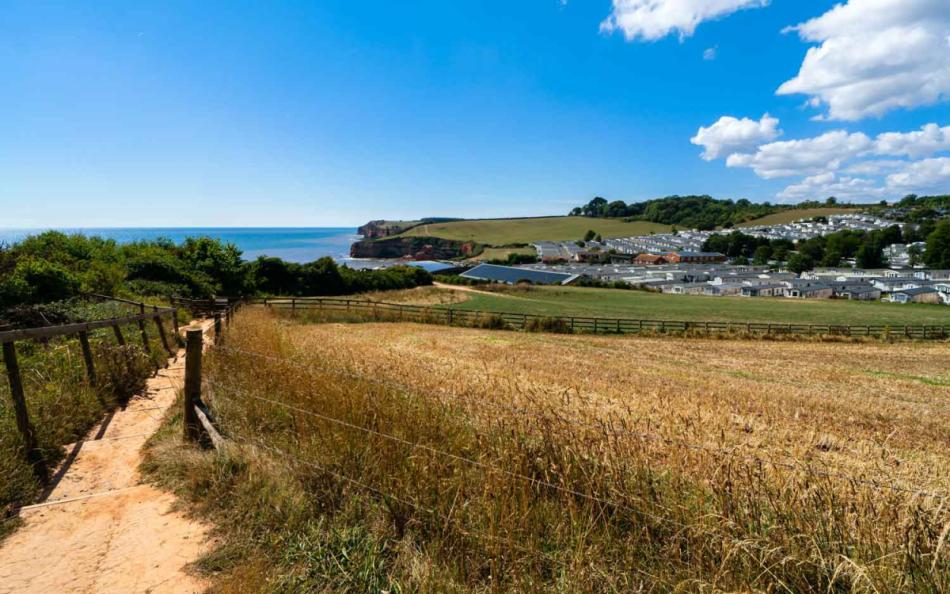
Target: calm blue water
[[303, 244], [291, 244]]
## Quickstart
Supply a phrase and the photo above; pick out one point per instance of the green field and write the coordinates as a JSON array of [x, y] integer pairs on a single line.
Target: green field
[[617, 303], [508, 231], [500, 253], [795, 214]]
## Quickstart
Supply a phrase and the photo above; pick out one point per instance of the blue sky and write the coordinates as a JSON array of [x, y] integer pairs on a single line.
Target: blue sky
[[334, 112]]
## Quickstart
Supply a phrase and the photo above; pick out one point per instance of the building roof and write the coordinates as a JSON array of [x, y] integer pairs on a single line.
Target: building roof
[[917, 291], [511, 274], [688, 254]]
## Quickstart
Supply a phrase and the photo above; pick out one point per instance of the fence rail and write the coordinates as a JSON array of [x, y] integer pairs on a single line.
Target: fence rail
[[9, 338], [595, 325]]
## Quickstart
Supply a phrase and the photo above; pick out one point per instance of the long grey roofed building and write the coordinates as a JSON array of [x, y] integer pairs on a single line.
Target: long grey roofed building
[[511, 275]]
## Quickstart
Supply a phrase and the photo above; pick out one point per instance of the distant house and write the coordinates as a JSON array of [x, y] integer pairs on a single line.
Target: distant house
[[694, 257], [724, 290], [859, 292], [896, 283], [807, 289], [591, 256], [916, 295], [511, 275], [687, 288], [766, 290], [649, 259]]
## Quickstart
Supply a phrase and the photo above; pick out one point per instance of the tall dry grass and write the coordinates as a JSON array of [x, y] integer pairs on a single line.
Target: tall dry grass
[[414, 458]]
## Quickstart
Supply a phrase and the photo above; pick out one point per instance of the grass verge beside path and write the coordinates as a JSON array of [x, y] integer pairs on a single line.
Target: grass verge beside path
[[508, 231], [616, 303]]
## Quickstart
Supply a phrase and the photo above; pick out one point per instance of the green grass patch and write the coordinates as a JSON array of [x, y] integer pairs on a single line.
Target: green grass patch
[[501, 253], [500, 232], [929, 381], [613, 303]]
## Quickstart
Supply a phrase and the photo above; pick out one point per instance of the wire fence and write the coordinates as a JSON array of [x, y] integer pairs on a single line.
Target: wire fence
[[379, 310], [732, 453]]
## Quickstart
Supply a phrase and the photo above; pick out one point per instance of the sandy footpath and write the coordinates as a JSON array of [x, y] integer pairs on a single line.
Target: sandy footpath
[[100, 529]]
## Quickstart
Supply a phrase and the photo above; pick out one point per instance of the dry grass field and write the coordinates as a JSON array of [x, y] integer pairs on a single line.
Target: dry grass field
[[409, 458]]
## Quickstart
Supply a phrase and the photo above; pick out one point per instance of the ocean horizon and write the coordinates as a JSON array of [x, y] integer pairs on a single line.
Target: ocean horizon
[[294, 244]]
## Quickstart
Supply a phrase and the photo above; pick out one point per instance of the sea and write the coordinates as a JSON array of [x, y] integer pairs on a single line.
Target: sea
[[293, 244]]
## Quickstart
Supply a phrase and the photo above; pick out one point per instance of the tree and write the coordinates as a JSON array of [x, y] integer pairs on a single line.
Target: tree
[[599, 239], [762, 255], [916, 254], [590, 235], [870, 255], [799, 263], [937, 254]]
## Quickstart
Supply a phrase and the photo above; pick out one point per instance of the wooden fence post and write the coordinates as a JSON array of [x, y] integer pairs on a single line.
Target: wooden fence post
[[87, 357], [175, 326], [118, 335], [161, 334], [217, 328], [145, 345], [33, 454], [193, 345]]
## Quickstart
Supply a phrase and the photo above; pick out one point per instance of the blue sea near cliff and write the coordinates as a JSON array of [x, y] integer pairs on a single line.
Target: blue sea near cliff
[[291, 244]]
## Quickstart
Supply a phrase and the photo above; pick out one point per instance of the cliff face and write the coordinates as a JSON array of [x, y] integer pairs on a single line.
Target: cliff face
[[418, 248], [381, 228]]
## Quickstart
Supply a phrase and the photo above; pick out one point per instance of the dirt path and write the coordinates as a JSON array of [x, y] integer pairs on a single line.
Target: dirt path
[[101, 529], [462, 288]]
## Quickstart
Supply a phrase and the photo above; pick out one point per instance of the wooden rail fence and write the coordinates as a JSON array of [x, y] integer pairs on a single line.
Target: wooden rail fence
[[9, 338], [596, 325]]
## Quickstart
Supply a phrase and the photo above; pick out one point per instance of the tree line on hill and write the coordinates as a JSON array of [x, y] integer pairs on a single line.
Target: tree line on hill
[[865, 247], [53, 266], [695, 212]]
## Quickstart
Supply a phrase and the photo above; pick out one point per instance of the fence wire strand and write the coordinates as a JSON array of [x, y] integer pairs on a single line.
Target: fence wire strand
[[724, 452]]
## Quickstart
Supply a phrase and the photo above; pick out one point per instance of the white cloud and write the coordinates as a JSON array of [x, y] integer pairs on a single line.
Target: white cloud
[[803, 157], [731, 135], [922, 177], [710, 53], [650, 20], [928, 140], [823, 185], [874, 56], [874, 166]]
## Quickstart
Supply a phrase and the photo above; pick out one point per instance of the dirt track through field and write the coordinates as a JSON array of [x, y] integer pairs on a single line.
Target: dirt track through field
[[101, 529]]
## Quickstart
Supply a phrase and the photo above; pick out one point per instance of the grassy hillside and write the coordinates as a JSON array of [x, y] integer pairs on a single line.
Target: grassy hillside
[[507, 231], [409, 458], [795, 214], [615, 303]]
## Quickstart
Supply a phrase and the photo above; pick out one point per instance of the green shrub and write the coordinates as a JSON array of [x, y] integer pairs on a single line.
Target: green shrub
[[546, 324]]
